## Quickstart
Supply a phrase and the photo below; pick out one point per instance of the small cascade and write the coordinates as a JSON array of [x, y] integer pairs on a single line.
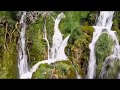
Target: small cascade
[[22, 59], [104, 23], [57, 52]]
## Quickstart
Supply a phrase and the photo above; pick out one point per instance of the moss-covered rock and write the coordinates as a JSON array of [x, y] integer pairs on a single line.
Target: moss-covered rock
[[88, 30], [114, 70], [43, 72], [111, 68], [58, 70], [103, 49]]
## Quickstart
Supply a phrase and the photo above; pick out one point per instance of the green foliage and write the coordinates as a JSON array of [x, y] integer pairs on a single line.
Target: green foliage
[[77, 48], [50, 29], [103, 49], [65, 70], [8, 65], [35, 42], [84, 14], [8, 52], [89, 19], [75, 35], [6, 15], [114, 70], [70, 22], [43, 72], [58, 70], [116, 24], [88, 30]]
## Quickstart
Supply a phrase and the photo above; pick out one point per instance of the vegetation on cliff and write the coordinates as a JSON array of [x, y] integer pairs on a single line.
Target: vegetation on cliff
[[77, 23]]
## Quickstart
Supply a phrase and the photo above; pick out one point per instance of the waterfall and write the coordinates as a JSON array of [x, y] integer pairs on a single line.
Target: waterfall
[[57, 52], [104, 22], [22, 59], [57, 37]]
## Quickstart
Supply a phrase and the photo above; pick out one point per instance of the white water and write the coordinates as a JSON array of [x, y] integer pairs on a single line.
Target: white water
[[22, 59], [115, 54], [57, 51], [104, 22], [45, 37], [57, 37]]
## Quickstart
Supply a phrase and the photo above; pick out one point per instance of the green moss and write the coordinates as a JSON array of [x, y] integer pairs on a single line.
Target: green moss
[[114, 70], [50, 29], [43, 72], [70, 22], [78, 48], [8, 65], [65, 70], [116, 22], [8, 61], [87, 29], [35, 42], [58, 70], [103, 49], [8, 52]]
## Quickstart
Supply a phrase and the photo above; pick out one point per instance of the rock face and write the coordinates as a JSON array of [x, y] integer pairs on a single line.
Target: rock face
[[32, 15]]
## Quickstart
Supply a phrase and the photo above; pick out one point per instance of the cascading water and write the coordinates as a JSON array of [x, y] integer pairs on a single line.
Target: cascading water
[[57, 37], [104, 23], [115, 54], [22, 60], [58, 45], [57, 51]]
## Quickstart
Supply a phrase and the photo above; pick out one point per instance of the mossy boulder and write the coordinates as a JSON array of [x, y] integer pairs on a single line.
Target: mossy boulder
[[103, 49], [114, 70], [110, 69], [57, 70]]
